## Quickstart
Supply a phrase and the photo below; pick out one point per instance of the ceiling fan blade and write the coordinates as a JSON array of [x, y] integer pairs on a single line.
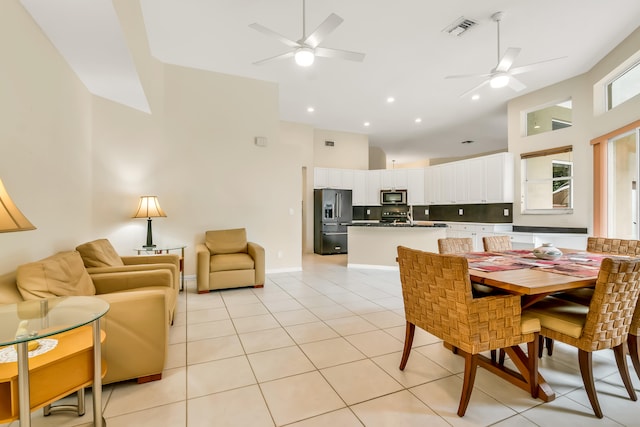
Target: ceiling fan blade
[[323, 30], [533, 66], [464, 76], [516, 84], [507, 59], [271, 33], [339, 53], [475, 88], [280, 56]]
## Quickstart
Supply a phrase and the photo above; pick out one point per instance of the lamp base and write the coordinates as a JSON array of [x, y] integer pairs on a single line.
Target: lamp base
[[148, 247]]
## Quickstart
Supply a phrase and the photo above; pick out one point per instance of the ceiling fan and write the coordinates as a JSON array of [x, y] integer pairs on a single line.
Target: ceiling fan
[[307, 48], [503, 75]]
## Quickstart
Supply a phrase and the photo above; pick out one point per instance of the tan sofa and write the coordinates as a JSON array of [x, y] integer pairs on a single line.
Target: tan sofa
[[137, 323], [99, 256], [227, 260]]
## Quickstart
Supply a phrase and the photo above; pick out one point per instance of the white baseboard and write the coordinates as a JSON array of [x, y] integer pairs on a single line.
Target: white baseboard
[[373, 267]]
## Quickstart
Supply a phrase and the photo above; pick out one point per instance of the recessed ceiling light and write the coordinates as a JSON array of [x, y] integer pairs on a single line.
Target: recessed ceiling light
[[475, 97], [367, 123], [390, 99], [418, 120], [310, 109]]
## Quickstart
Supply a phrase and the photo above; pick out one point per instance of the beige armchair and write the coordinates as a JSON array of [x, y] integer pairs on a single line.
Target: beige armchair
[[99, 256], [227, 260], [137, 323]]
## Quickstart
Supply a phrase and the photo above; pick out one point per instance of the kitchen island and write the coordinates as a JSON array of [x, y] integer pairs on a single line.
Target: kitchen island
[[374, 245]]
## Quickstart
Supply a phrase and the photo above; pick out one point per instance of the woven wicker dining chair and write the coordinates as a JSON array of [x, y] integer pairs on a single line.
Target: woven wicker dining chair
[[605, 245], [604, 324], [496, 243], [455, 245], [437, 298]]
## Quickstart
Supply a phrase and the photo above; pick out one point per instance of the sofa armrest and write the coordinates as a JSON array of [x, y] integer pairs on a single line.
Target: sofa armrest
[[136, 327], [107, 283], [257, 253], [203, 260], [152, 259], [175, 271]]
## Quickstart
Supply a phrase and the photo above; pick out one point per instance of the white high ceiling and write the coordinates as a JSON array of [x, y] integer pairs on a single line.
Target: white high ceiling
[[407, 57]]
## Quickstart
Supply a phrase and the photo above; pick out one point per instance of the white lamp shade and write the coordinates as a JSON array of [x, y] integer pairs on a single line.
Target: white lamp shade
[[11, 219], [500, 80], [149, 207], [304, 57]]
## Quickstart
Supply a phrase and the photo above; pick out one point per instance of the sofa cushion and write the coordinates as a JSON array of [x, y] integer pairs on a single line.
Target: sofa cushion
[[62, 274], [226, 241], [228, 262], [99, 253]]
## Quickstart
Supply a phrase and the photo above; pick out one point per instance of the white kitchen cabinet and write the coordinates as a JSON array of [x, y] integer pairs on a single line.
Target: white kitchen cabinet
[[432, 185], [499, 178], [415, 187], [335, 178], [346, 179], [359, 194], [320, 177], [461, 182], [447, 184], [373, 188], [392, 179]]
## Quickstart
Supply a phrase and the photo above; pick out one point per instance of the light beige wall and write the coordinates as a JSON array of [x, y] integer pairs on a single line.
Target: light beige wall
[[301, 136], [377, 158], [351, 150], [45, 141], [587, 125]]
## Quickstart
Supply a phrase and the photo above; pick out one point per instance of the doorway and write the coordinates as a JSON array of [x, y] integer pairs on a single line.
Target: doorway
[[623, 204]]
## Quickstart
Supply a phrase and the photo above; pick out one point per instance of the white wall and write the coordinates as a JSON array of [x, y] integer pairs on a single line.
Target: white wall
[[587, 125], [44, 141]]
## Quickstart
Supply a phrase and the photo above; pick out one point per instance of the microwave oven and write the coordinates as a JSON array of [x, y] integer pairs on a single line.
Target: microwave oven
[[393, 197]]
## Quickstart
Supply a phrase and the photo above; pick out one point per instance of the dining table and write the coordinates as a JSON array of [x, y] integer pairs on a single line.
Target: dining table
[[519, 272]]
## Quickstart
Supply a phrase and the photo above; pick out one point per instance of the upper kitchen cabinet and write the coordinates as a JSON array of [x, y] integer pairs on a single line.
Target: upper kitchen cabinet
[[320, 178], [392, 179], [491, 179], [342, 179], [415, 186], [374, 185], [359, 194]]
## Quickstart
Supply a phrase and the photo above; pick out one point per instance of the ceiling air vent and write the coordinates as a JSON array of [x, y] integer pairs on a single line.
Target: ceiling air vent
[[460, 26]]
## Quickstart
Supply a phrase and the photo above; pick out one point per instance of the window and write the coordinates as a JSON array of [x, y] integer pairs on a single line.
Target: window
[[624, 86], [549, 118], [547, 181]]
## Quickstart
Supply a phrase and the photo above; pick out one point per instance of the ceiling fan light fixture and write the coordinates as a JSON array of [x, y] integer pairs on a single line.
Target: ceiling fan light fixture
[[304, 56], [499, 80]]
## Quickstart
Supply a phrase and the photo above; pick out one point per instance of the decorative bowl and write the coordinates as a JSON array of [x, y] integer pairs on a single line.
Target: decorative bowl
[[547, 251]]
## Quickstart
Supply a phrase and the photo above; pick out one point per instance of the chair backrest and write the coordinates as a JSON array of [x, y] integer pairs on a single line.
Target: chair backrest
[[613, 246], [455, 245], [226, 241], [496, 243], [613, 304], [437, 298]]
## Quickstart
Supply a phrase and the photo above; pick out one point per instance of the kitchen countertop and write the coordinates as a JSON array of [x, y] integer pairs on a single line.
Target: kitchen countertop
[[398, 225]]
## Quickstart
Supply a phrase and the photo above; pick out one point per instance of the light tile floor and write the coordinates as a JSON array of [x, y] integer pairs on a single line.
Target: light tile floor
[[322, 347]]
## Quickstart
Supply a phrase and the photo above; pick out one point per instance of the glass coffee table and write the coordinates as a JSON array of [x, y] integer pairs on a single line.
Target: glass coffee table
[[68, 357]]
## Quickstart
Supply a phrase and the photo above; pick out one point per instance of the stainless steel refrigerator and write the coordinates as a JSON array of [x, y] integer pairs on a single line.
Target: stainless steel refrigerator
[[332, 214]]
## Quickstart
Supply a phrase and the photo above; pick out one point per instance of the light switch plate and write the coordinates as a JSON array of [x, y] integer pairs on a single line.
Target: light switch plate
[[460, 211], [506, 212]]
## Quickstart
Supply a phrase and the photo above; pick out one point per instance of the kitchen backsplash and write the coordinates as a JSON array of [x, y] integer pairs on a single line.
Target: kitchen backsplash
[[485, 213]]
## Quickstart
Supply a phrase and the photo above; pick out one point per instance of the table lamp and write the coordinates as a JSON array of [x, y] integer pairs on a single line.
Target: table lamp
[[149, 208], [11, 219]]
